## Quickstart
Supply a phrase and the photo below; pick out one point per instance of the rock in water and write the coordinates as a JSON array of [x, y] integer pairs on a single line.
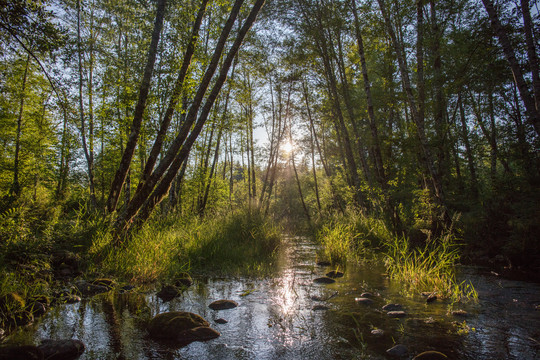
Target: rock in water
[[323, 263], [223, 305], [61, 349], [320, 307], [430, 355], [431, 298], [90, 289], [26, 352], [221, 321], [363, 300], [460, 313], [377, 332], [392, 307], [170, 324], [398, 351], [324, 280], [366, 295], [201, 333], [396, 314], [168, 292], [334, 274]]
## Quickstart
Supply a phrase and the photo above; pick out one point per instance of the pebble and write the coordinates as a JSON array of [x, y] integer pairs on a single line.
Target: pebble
[[366, 295], [392, 307], [324, 280], [334, 274], [320, 307], [460, 312], [221, 321], [377, 332], [396, 314], [223, 305], [363, 300]]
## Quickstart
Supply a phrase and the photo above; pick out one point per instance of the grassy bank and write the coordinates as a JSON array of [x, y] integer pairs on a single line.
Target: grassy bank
[[238, 242], [429, 267], [37, 265]]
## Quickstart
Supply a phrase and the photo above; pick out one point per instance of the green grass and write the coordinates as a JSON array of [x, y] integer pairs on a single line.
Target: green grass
[[431, 267], [239, 242], [428, 268]]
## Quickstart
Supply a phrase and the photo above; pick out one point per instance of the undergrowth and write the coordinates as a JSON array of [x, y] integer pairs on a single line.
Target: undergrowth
[[241, 241]]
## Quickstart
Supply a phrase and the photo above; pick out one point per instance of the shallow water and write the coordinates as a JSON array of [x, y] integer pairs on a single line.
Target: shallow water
[[275, 317]]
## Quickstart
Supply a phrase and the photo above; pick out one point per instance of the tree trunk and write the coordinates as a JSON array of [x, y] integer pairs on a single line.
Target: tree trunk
[[531, 51], [15, 190], [528, 100], [468, 149], [144, 89]]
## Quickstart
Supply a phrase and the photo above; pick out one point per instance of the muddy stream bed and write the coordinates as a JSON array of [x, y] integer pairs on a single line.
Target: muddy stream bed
[[288, 316]]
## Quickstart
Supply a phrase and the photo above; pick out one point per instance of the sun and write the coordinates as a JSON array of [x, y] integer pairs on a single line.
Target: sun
[[288, 147]]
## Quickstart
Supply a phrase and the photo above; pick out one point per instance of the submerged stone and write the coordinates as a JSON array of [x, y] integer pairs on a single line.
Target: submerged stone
[[431, 298], [398, 351], [168, 292], [170, 325], [90, 289], [334, 274], [430, 355], [323, 263], [61, 349], [324, 280], [363, 300], [460, 313], [392, 307], [223, 305], [377, 332], [320, 308], [201, 333], [396, 314], [366, 295], [221, 321]]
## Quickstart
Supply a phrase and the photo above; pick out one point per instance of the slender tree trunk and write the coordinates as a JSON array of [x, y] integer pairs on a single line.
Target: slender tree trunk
[[468, 149], [531, 51], [144, 89], [532, 111], [15, 190], [87, 154]]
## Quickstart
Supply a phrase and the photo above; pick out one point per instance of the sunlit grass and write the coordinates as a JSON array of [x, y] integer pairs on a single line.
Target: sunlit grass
[[426, 268], [242, 242], [430, 268]]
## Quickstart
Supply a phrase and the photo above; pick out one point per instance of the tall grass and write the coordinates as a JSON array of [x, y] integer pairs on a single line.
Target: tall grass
[[430, 267], [241, 241], [350, 234]]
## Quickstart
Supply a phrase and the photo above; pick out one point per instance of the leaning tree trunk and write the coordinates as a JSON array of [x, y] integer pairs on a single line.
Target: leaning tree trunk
[[144, 89], [530, 106]]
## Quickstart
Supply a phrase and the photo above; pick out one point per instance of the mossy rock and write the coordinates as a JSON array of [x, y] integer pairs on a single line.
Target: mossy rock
[[430, 355], [170, 324]]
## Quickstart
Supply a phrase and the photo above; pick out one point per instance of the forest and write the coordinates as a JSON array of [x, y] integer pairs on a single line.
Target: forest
[[152, 144]]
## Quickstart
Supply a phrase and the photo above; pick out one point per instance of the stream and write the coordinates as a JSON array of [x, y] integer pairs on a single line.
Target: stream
[[288, 316]]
